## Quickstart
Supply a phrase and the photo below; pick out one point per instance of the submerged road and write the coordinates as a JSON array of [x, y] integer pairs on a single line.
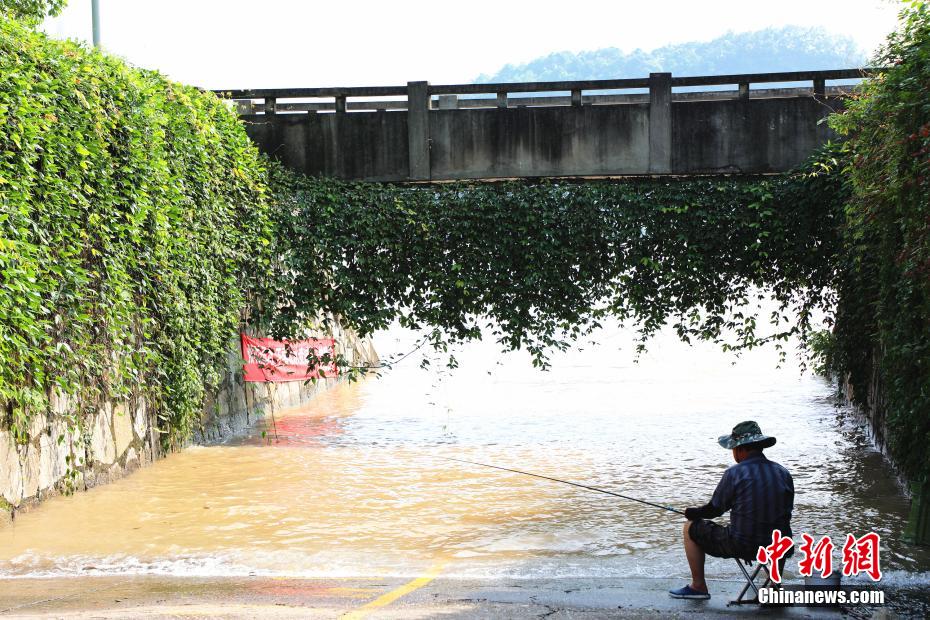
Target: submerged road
[[350, 504]]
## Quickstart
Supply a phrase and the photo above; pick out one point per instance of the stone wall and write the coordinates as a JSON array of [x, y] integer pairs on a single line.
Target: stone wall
[[121, 436], [62, 457], [874, 413]]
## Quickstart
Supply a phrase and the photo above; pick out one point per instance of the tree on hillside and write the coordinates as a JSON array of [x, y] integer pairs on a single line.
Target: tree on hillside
[[32, 11], [774, 49]]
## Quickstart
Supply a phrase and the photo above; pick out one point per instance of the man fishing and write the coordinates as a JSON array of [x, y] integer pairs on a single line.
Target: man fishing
[[759, 494]]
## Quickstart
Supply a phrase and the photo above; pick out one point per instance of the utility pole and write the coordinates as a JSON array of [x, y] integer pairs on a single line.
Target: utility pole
[[95, 16]]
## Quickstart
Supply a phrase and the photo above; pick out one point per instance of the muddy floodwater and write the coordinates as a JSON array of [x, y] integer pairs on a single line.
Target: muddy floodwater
[[355, 483]]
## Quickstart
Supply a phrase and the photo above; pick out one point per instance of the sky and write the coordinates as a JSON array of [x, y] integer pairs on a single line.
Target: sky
[[227, 44]]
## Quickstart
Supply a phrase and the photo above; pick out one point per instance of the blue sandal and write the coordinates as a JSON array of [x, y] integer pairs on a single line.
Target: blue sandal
[[689, 592]]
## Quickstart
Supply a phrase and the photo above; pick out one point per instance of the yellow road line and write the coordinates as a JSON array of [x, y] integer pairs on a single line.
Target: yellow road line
[[386, 599]]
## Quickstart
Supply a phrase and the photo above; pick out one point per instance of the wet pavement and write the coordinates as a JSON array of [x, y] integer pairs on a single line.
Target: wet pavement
[[351, 500], [168, 597]]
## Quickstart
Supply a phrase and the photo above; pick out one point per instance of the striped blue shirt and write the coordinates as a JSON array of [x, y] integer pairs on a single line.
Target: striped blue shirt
[[759, 494]]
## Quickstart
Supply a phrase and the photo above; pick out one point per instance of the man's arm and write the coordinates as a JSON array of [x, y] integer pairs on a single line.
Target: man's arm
[[721, 501]]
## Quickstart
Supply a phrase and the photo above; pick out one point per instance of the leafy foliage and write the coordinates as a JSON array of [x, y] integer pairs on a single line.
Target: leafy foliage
[[132, 213], [135, 227], [774, 49], [539, 264], [32, 11], [883, 320]]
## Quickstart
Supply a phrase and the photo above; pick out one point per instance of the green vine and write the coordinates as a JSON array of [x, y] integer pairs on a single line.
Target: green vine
[[31, 12], [133, 223], [883, 319], [538, 264], [137, 232]]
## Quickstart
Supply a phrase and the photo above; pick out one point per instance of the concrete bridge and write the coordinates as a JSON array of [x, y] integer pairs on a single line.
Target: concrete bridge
[[660, 125]]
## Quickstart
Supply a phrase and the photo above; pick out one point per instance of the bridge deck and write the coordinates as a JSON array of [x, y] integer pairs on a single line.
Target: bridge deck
[[423, 132]]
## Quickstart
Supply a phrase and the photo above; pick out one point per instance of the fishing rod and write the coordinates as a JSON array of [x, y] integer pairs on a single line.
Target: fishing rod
[[590, 488], [574, 484]]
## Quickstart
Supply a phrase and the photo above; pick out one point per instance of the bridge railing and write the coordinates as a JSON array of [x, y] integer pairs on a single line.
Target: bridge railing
[[422, 95]]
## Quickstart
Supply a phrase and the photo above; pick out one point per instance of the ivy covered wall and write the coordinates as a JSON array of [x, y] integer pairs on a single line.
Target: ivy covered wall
[[882, 334], [133, 225]]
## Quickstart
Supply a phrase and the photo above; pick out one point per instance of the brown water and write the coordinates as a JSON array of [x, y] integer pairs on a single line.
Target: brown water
[[354, 484]]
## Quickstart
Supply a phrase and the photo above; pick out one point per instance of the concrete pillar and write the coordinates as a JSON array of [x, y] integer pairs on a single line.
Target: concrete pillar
[[660, 123], [820, 87], [271, 105], [744, 90], [576, 98], [418, 130], [337, 123], [502, 100]]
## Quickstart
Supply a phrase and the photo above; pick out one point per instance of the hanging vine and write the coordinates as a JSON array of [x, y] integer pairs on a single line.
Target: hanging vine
[[882, 337], [538, 264]]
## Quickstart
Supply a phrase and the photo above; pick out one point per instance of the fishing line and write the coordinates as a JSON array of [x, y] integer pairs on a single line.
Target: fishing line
[[590, 488], [574, 484]]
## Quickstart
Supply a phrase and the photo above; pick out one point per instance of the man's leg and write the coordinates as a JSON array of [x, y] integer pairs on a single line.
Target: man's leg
[[695, 557]]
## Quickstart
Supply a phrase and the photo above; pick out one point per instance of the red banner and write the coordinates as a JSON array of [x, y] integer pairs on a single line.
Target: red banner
[[269, 360]]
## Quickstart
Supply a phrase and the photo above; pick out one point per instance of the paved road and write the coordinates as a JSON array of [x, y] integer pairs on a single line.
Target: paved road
[[429, 596]]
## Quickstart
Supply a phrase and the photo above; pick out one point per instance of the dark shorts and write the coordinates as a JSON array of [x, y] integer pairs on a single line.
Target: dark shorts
[[715, 540]]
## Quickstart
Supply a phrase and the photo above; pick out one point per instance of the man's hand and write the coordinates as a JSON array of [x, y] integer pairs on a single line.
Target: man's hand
[[692, 514]]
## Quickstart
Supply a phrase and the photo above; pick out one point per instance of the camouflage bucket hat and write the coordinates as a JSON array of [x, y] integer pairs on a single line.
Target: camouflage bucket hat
[[744, 434]]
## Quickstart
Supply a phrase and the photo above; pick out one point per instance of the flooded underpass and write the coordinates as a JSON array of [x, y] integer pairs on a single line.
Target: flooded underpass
[[357, 484]]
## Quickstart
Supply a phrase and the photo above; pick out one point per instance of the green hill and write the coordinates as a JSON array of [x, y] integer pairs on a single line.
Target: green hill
[[774, 49]]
